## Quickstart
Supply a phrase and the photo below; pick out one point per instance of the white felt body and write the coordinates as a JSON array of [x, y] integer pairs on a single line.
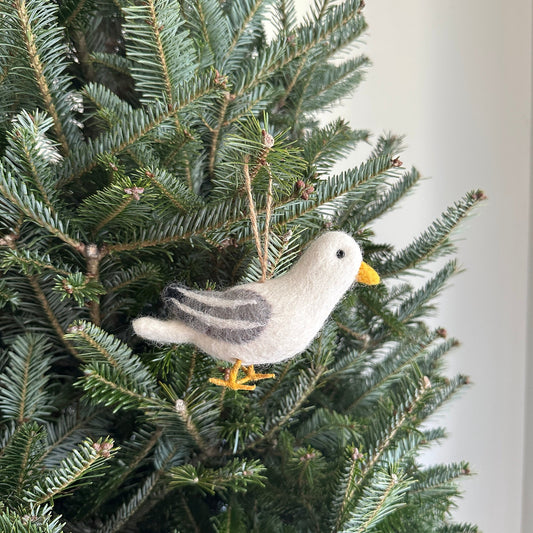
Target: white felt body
[[300, 302]]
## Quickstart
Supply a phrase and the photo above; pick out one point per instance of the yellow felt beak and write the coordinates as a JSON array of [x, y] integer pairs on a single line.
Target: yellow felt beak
[[367, 275]]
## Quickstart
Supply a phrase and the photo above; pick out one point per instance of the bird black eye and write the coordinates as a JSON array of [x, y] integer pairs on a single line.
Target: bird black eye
[[340, 254]]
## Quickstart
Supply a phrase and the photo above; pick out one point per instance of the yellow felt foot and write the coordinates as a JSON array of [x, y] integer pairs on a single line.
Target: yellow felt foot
[[253, 376], [231, 382], [237, 385]]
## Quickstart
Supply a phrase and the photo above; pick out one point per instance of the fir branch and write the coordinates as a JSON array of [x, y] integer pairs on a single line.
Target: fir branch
[[324, 5], [134, 461], [395, 365], [119, 209], [80, 4], [230, 214], [109, 107], [161, 53], [209, 26], [129, 130], [251, 104], [93, 345], [435, 241], [43, 522], [249, 10], [347, 479], [130, 278], [330, 194], [31, 153], [458, 528], [441, 393], [209, 218], [235, 475], [171, 133], [154, 30], [81, 46], [348, 486], [276, 386], [120, 137], [297, 111], [140, 503], [390, 324], [177, 194], [104, 386], [96, 346], [381, 202], [437, 479], [331, 83], [30, 262], [18, 194], [86, 459], [23, 395], [385, 494], [349, 331], [113, 62], [119, 205], [29, 14], [289, 404], [93, 256], [192, 421], [20, 462], [292, 83], [184, 414], [275, 57], [65, 432], [191, 371], [227, 97], [323, 147], [37, 66], [285, 16], [34, 282], [399, 419], [415, 304], [128, 509], [7, 296]]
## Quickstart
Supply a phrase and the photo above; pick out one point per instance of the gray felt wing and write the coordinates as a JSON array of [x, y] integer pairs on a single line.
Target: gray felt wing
[[235, 316]]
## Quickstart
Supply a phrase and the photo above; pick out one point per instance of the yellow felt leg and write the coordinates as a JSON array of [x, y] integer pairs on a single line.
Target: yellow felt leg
[[232, 382], [253, 376]]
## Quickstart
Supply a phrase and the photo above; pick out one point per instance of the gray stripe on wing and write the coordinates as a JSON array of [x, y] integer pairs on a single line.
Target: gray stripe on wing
[[250, 306], [237, 316]]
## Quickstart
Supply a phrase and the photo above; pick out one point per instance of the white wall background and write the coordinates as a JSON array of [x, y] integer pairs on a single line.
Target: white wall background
[[455, 77]]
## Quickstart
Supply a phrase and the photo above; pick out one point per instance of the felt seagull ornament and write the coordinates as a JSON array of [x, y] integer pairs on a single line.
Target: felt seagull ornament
[[259, 323]]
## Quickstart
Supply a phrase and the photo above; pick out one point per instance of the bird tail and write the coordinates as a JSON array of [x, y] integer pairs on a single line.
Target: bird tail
[[163, 331]]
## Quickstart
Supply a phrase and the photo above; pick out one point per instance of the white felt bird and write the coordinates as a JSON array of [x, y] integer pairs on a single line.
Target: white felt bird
[[267, 322]]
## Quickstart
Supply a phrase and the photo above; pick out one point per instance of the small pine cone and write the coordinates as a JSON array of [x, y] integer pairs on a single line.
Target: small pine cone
[[220, 80], [180, 406], [441, 332], [135, 192], [357, 455], [303, 190], [268, 140], [67, 287]]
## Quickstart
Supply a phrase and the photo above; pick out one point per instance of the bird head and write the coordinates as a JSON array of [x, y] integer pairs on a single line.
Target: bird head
[[336, 256]]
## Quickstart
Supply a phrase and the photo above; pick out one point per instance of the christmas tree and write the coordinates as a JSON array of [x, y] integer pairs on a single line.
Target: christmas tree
[[146, 142]]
